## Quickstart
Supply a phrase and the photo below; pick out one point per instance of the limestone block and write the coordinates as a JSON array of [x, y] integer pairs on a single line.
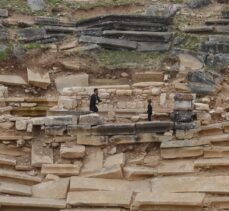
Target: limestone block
[[12, 80], [148, 76], [148, 84], [136, 172], [21, 124], [7, 160], [67, 102], [153, 127], [156, 91], [186, 134], [131, 105], [52, 189], [201, 107], [55, 130], [61, 169], [41, 155], [208, 130], [60, 120], [187, 152], [91, 119], [216, 152], [100, 198], [123, 139], [163, 99], [212, 163], [15, 189], [226, 127], [99, 184], [72, 151], [89, 140], [183, 105], [121, 105], [117, 159], [38, 80], [151, 160], [121, 92]]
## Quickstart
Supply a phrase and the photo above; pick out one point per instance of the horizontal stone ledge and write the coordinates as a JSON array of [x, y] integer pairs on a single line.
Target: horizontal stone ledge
[[31, 202], [219, 202], [154, 127], [114, 129], [99, 184], [209, 130], [222, 29], [15, 189], [212, 163], [100, 198], [126, 18], [61, 169], [52, 21], [7, 160], [138, 172], [199, 29], [60, 29], [216, 152], [19, 176], [217, 22], [172, 200], [218, 38]]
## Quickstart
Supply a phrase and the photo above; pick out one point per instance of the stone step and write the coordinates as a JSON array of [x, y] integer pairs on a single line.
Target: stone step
[[61, 169], [100, 198], [187, 152], [212, 163], [216, 139], [72, 151], [7, 160], [97, 184], [31, 202], [190, 184], [15, 189], [199, 29], [30, 112], [222, 29], [15, 138], [168, 201], [20, 177], [216, 152]]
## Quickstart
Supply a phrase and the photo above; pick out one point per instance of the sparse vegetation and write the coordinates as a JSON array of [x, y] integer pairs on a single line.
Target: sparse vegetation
[[6, 53], [33, 46]]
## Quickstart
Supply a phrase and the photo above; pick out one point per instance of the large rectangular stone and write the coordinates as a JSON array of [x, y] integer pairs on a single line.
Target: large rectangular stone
[[60, 120], [216, 152], [61, 169], [12, 80], [123, 139], [112, 172], [138, 172], [187, 152], [72, 151], [100, 198], [153, 127], [169, 201], [114, 129], [15, 189], [19, 176], [186, 184], [31, 202], [89, 140], [212, 163], [98, 184], [7, 160]]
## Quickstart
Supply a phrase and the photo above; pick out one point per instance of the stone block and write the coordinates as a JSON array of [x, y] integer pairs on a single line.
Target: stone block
[[55, 130], [89, 140], [114, 129], [214, 129], [72, 151], [21, 124], [183, 105], [4, 13], [156, 91], [12, 80], [38, 80], [153, 127], [61, 120], [67, 102], [201, 107], [61, 169], [212, 163], [117, 159], [148, 76], [121, 92], [52, 189], [188, 152], [99, 184], [216, 152], [138, 172], [15, 189], [41, 155], [100, 198], [7, 160], [90, 119]]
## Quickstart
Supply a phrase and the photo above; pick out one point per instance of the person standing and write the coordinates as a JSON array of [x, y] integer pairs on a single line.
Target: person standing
[[150, 110], [94, 100]]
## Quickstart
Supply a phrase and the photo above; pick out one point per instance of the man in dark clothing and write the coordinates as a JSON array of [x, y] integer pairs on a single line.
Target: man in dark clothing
[[150, 110], [94, 100]]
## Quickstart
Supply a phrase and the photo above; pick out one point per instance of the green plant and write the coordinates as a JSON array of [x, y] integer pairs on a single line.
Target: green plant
[[33, 46], [6, 53]]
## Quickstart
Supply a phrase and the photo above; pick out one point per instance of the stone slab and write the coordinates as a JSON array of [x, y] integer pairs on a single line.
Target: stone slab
[[31, 202], [99, 184], [209, 130], [153, 127], [7, 160], [117, 159], [100, 198], [212, 163], [148, 76], [216, 152], [37, 79], [218, 202], [61, 169], [172, 200], [41, 155], [187, 184], [187, 152], [72, 151], [136, 172], [12, 80], [51, 189], [91, 140], [15, 189]]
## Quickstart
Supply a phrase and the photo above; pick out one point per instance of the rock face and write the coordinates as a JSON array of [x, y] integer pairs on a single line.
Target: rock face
[[37, 79], [197, 3], [36, 5]]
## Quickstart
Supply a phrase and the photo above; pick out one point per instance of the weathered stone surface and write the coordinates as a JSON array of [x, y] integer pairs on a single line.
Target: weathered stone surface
[[187, 152], [202, 107], [13, 201], [118, 159], [55, 130], [185, 184], [189, 62], [111, 172], [41, 155], [93, 161], [153, 127], [197, 3], [72, 151], [91, 140], [52, 189], [91, 119], [151, 160], [100, 198], [219, 202], [218, 60], [67, 102], [216, 152], [209, 130], [80, 80], [148, 76], [36, 5], [37, 79], [19, 176], [157, 47], [7, 160], [21, 124], [136, 172], [225, 127], [114, 129], [123, 139], [183, 105], [60, 120], [182, 116], [93, 209], [15, 189], [61, 169], [212, 163], [170, 201], [175, 167], [98, 184], [4, 13], [12, 80]]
